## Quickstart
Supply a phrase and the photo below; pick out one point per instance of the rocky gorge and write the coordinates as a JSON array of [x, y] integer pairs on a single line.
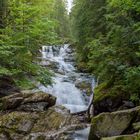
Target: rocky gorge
[[49, 113], [33, 116], [59, 111]]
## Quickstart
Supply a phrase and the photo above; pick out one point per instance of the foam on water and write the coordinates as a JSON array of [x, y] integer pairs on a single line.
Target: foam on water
[[66, 92]]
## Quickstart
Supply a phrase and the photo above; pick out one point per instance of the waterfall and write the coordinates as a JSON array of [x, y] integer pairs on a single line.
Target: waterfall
[[64, 87]]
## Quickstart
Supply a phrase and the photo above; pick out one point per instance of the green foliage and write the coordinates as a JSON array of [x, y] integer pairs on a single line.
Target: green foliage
[[108, 36], [25, 26], [132, 82]]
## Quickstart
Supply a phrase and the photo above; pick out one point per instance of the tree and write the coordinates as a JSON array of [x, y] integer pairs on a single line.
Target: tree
[[107, 33], [25, 26]]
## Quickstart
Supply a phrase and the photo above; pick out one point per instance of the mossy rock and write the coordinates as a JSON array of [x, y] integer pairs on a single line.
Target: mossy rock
[[108, 99], [132, 137], [82, 66], [38, 101], [135, 136], [112, 124], [84, 86], [21, 124], [136, 126]]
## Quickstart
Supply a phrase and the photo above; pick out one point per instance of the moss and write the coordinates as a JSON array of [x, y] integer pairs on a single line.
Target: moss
[[25, 83], [86, 86], [52, 121], [104, 91], [97, 118], [1, 106], [136, 126], [138, 136], [108, 124], [101, 92], [15, 122], [82, 66], [123, 137], [2, 102]]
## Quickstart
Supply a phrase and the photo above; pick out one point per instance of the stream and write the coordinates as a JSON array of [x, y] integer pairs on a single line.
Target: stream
[[66, 77]]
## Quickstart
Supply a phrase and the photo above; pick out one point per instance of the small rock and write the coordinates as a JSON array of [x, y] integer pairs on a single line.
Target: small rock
[[136, 126], [25, 126], [3, 136], [41, 106], [11, 103]]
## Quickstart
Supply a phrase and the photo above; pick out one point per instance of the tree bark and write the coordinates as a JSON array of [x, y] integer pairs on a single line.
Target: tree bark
[[3, 11]]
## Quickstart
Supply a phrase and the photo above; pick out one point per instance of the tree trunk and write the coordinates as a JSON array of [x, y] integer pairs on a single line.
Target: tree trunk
[[3, 11]]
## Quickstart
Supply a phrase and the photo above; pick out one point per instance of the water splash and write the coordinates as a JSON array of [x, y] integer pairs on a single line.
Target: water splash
[[65, 91]]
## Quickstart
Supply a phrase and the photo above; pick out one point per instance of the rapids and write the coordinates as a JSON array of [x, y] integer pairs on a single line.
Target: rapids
[[65, 78]]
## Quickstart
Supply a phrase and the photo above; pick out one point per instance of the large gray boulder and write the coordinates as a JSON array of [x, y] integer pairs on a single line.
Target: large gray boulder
[[135, 136], [38, 101], [113, 124]]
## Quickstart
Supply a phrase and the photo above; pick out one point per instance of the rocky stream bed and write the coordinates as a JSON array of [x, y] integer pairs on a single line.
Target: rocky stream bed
[[51, 113]]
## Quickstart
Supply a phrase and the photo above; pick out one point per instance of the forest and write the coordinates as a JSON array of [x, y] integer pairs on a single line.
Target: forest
[[25, 26], [86, 60], [107, 34]]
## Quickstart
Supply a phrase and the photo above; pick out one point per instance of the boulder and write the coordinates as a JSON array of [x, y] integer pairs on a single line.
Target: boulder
[[7, 86], [135, 136], [113, 124], [85, 86], [34, 125], [109, 100], [38, 101], [33, 116]]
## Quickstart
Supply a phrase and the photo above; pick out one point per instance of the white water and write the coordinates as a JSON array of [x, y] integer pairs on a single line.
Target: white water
[[81, 134], [65, 79], [64, 85]]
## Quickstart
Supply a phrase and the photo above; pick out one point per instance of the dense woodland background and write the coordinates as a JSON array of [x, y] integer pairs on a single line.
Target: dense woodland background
[[26, 25], [105, 33]]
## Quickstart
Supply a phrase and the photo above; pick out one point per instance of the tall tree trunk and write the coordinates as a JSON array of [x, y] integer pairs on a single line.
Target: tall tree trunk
[[3, 11]]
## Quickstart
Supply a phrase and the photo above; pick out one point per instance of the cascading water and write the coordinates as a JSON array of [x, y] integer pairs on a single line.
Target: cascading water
[[65, 91], [65, 78]]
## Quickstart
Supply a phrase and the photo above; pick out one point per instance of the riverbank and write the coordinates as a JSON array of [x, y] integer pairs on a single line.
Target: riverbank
[[70, 93], [33, 116], [52, 113]]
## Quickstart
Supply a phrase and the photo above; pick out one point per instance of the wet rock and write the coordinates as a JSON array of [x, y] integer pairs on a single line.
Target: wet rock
[[69, 59], [124, 137], [63, 134], [19, 122], [82, 67], [109, 100], [50, 124], [7, 86], [49, 64], [3, 136], [41, 106], [113, 124], [27, 101], [85, 86], [62, 72], [126, 105], [11, 103], [107, 104]]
